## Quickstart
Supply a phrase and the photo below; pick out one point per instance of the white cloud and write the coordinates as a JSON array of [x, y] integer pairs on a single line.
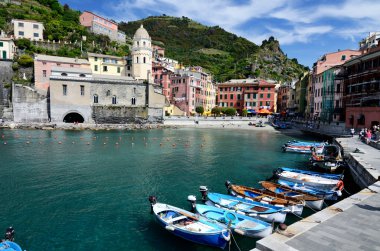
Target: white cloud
[[299, 21]]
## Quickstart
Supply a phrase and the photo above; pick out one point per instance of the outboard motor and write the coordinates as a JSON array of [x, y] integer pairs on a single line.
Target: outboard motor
[[228, 185], [152, 200], [204, 192], [10, 234], [192, 199]]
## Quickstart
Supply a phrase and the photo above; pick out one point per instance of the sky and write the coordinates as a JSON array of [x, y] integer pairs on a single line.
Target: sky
[[306, 29]]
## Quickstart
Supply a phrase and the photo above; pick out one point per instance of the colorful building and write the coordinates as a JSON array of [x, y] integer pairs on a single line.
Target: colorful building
[[43, 65], [107, 65], [324, 63], [250, 94], [161, 76], [29, 29], [362, 89], [101, 25], [7, 48]]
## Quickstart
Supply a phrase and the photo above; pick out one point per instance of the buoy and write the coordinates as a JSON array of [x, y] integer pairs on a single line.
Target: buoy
[[73, 142], [88, 143], [59, 142], [27, 142], [160, 144], [116, 143], [5, 143], [104, 143]]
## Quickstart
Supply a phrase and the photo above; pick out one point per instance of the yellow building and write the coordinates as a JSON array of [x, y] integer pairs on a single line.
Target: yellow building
[[106, 64]]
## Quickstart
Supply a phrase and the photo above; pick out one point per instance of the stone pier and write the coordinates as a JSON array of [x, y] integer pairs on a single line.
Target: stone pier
[[351, 224]]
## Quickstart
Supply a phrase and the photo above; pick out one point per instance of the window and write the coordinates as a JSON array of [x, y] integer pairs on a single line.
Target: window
[[249, 95], [118, 69], [261, 95], [231, 96], [114, 100], [35, 35], [338, 88], [137, 60], [21, 33], [268, 95], [95, 68], [105, 68], [134, 90], [1, 44], [343, 57], [221, 96], [96, 99], [144, 60], [268, 88], [35, 26], [262, 88], [254, 95], [231, 104], [225, 96], [96, 59], [82, 75], [336, 103], [261, 103], [44, 73], [108, 93], [128, 68], [238, 96], [82, 90], [64, 89], [133, 101], [64, 74], [20, 24]]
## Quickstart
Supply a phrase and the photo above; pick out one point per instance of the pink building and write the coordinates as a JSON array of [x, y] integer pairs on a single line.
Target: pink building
[[43, 65], [324, 63], [161, 76], [191, 88], [250, 94], [101, 25]]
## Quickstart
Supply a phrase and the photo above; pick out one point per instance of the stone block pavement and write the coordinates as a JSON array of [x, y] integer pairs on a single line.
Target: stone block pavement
[[351, 224]]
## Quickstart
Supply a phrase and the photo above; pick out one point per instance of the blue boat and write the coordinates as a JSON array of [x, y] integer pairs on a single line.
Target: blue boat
[[318, 180], [190, 226], [9, 246], [248, 207], [302, 146], [241, 224], [325, 194]]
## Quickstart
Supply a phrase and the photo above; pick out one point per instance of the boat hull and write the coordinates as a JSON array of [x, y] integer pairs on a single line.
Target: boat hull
[[9, 246], [214, 238]]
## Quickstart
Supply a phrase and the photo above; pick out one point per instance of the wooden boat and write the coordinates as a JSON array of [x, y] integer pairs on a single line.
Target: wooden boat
[[190, 226], [320, 193], [241, 224], [311, 201], [293, 204], [329, 158], [247, 207], [313, 179]]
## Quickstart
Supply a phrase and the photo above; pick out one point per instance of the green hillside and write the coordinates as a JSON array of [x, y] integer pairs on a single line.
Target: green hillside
[[61, 24], [224, 54]]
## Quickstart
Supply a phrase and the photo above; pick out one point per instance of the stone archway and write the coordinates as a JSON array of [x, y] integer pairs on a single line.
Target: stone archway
[[73, 117]]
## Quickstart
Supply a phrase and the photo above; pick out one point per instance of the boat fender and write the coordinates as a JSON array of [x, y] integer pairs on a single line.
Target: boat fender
[[226, 237], [170, 228], [228, 185], [216, 205], [253, 215], [282, 226], [239, 231], [339, 193], [340, 185]]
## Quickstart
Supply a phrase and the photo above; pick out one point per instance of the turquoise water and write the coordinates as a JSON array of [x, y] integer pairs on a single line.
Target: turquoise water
[[88, 190]]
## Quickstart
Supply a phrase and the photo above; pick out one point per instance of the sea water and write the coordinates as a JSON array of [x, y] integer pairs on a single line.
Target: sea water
[[88, 190]]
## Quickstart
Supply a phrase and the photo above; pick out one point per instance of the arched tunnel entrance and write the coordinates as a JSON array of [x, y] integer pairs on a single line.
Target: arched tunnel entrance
[[73, 117]]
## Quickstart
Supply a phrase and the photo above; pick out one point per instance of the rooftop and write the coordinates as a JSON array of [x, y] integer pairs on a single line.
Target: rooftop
[[42, 57], [72, 70], [103, 56], [99, 16]]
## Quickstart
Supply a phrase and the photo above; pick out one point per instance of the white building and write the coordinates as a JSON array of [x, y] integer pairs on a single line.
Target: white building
[[142, 55], [7, 48], [29, 29]]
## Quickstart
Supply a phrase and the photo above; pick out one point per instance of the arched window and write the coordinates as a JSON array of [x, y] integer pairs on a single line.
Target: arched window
[[108, 93], [114, 100], [144, 43], [64, 74], [96, 99], [137, 60], [144, 60], [134, 90], [138, 44], [133, 101], [82, 75]]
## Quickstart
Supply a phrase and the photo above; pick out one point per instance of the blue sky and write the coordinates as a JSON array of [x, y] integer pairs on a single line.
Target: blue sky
[[306, 29]]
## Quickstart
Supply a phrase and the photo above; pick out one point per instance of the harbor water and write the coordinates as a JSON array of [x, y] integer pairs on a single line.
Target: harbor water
[[88, 190]]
